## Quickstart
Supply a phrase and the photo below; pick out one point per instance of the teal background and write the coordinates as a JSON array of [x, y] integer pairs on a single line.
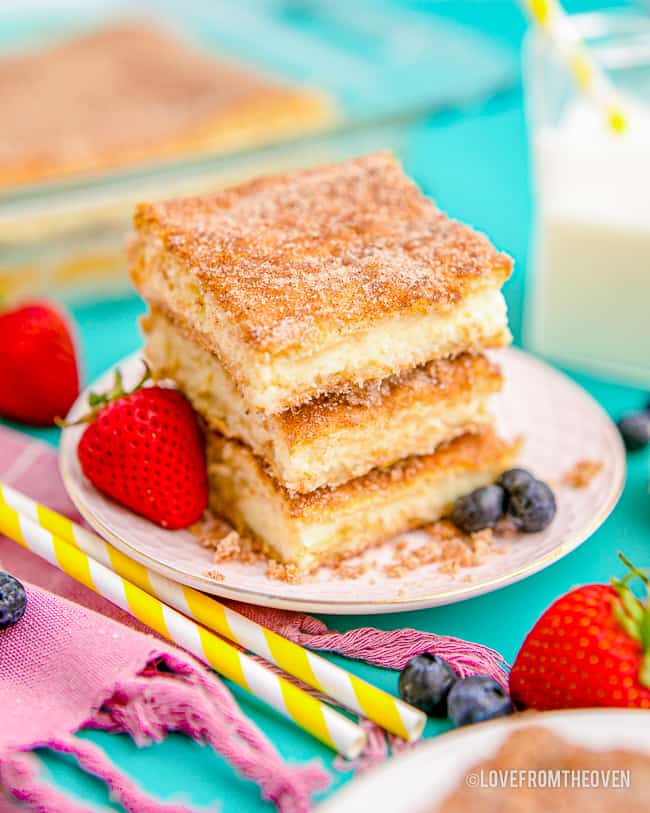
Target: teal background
[[476, 167]]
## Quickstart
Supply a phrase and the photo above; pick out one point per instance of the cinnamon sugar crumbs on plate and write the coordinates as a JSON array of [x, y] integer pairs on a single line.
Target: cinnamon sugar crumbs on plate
[[215, 575], [446, 546], [350, 570], [216, 534], [283, 572], [505, 528], [582, 473], [211, 530]]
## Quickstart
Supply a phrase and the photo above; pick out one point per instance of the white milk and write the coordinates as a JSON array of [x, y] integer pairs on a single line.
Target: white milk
[[591, 298]]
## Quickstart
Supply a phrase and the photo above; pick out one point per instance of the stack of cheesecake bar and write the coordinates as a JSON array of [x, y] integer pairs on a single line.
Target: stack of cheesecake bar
[[329, 327]]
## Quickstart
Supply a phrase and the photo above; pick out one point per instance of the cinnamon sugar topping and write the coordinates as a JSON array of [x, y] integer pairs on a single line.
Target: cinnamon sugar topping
[[291, 257], [582, 473]]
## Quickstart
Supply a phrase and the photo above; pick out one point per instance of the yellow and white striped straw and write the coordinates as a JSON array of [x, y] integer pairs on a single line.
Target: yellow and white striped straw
[[590, 79], [313, 716], [382, 708]]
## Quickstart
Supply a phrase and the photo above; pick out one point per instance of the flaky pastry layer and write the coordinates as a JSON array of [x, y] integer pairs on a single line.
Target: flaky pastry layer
[[340, 436]]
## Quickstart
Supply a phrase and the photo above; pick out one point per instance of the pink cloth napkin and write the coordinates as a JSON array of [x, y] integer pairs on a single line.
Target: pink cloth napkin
[[77, 661]]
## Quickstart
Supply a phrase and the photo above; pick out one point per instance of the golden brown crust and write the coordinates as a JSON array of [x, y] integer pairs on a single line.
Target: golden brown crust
[[130, 92], [293, 257], [469, 452], [468, 375], [445, 380]]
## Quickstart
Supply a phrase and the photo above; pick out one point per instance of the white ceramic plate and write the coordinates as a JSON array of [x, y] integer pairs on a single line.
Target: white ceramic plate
[[561, 424], [419, 779]]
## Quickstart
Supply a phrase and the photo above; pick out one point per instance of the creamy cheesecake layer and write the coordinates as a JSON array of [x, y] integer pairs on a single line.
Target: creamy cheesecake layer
[[303, 284], [272, 384], [330, 524], [333, 438]]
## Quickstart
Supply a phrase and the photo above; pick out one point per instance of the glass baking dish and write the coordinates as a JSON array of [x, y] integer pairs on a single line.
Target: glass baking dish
[[382, 66]]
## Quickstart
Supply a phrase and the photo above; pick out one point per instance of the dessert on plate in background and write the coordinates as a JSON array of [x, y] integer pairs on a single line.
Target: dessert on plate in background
[[87, 119]]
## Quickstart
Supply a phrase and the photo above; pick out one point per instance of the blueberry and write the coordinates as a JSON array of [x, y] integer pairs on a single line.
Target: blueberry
[[532, 507], [514, 479], [425, 683], [13, 600], [477, 698], [635, 430], [480, 509]]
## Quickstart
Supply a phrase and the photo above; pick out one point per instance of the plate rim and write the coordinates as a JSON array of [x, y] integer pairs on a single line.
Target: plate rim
[[359, 607]]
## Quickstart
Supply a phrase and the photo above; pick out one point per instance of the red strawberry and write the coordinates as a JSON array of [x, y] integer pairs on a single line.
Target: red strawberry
[[39, 376], [145, 450], [590, 648]]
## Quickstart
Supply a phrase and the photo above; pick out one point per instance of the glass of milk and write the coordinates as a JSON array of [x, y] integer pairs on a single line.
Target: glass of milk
[[588, 306]]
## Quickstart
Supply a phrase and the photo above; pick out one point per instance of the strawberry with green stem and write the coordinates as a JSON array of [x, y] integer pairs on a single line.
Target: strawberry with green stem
[[144, 448], [590, 648]]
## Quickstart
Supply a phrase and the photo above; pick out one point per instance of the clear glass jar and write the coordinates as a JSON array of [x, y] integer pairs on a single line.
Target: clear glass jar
[[589, 297]]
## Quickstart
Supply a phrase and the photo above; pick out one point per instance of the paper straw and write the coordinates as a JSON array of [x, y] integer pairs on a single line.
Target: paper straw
[[313, 716], [590, 79], [382, 708]]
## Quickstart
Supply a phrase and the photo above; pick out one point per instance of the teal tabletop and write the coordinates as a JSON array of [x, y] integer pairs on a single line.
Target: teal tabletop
[[475, 164]]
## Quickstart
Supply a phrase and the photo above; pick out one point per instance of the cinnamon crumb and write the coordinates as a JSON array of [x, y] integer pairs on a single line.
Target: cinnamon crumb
[[227, 548], [582, 473], [505, 528], [350, 570], [216, 534], [395, 571], [446, 546], [215, 575], [211, 530], [282, 572]]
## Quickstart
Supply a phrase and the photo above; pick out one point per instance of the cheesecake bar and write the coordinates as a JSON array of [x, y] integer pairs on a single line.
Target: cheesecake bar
[[308, 283], [338, 436], [329, 524], [133, 92]]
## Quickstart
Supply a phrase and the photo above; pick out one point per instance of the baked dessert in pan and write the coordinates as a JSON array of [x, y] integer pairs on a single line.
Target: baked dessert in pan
[[135, 92]]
